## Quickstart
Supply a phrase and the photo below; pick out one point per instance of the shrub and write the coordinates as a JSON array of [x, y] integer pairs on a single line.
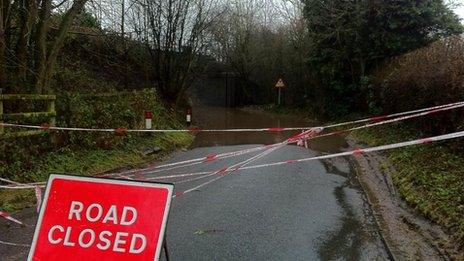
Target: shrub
[[107, 110], [429, 76]]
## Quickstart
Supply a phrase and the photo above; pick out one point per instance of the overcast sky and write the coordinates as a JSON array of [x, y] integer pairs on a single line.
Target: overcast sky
[[460, 9], [460, 12]]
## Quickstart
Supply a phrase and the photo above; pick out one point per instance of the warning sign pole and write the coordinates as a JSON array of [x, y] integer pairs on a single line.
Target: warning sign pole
[[280, 85], [166, 251]]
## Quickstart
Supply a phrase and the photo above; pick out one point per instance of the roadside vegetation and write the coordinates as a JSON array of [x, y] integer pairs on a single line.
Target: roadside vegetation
[[347, 60], [100, 80], [430, 178], [88, 101], [86, 162], [107, 64]]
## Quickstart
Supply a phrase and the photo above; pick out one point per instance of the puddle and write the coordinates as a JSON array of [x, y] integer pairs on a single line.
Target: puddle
[[355, 239], [356, 236], [347, 240]]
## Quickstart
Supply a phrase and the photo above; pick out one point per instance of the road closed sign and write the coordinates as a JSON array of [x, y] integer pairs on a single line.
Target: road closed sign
[[101, 219]]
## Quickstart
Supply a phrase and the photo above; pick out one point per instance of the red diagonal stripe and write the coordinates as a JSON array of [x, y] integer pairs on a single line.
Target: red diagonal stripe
[[4, 214], [211, 157], [275, 129], [358, 152], [378, 119], [426, 141], [222, 171], [120, 131], [45, 126], [194, 130], [434, 111]]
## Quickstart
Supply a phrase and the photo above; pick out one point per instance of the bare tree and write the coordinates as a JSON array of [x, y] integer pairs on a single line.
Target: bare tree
[[4, 6], [27, 44], [174, 32], [262, 41]]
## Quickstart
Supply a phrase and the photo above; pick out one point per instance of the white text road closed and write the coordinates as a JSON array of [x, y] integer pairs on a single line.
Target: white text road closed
[[101, 219]]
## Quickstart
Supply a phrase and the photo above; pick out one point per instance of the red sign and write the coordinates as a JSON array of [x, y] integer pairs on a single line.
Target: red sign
[[100, 219]]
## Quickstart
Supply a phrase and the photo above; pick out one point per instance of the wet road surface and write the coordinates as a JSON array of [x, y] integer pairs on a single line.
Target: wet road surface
[[309, 211]]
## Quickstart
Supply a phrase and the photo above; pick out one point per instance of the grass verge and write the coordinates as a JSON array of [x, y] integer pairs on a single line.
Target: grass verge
[[90, 162], [430, 178]]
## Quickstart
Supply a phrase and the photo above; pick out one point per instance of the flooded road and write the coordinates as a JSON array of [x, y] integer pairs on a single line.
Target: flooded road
[[229, 118], [308, 211]]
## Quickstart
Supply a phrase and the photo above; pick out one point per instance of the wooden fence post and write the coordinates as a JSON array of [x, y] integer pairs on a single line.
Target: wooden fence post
[[51, 110], [50, 114]]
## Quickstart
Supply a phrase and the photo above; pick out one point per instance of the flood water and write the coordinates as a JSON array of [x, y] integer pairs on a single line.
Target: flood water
[[229, 118], [309, 211], [351, 233]]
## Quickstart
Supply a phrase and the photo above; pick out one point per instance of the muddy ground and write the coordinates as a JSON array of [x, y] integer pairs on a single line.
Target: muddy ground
[[408, 235]]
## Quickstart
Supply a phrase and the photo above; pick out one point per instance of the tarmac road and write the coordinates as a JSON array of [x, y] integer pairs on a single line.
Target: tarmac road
[[308, 211]]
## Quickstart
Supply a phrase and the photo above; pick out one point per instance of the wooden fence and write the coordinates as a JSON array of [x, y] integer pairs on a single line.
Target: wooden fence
[[50, 114]]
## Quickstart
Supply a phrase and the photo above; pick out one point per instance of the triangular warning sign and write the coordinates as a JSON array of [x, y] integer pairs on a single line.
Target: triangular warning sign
[[280, 83]]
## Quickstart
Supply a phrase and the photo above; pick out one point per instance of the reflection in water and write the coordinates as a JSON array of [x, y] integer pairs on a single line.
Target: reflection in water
[[347, 240], [227, 118]]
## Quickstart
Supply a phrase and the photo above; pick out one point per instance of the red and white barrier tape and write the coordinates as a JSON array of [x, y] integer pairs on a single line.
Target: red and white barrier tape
[[233, 168], [298, 138], [313, 133], [17, 185], [13, 244], [188, 163], [380, 120], [225, 171], [357, 152], [403, 118], [122, 131], [9, 217], [304, 136], [307, 135], [10, 181], [192, 162], [385, 117], [38, 196]]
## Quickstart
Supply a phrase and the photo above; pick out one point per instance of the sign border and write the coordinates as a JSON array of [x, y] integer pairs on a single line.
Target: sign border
[[168, 186], [280, 86]]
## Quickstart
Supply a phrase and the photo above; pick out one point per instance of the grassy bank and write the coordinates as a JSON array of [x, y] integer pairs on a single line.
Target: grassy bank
[[90, 162], [430, 178], [97, 85]]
